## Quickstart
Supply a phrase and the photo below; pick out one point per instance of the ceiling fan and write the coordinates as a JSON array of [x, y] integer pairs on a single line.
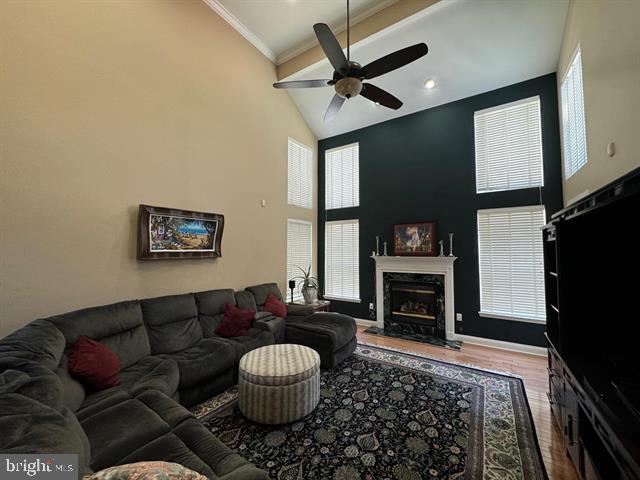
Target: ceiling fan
[[348, 75]]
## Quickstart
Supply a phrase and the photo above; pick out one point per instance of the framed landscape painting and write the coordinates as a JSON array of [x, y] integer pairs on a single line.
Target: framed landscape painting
[[172, 233], [417, 239]]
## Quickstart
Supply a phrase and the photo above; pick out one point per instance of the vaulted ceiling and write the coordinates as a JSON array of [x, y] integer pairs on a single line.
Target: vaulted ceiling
[[474, 46]]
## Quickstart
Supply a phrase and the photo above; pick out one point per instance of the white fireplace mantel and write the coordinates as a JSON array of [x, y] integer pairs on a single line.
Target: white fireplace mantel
[[432, 265]]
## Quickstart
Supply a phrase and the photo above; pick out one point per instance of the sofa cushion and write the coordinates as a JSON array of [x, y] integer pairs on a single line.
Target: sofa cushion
[[35, 382], [338, 329], [29, 426], [189, 443], [118, 326], [93, 364], [116, 431], [172, 322], [39, 341], [192, 445], [97, 402], [262, 291], [206, 359], [72, 389], [244, 299], [255, 338], [211, 305], [236, 322], [151, 373]]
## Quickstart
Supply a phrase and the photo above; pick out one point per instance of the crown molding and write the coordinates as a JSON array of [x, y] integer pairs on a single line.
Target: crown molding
[[312, 42], [241, 29]]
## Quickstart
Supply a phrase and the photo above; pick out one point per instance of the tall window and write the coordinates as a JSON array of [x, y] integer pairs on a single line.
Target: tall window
[[299, 249], [342, 179], [342, 266], [300, 176], [509, 146], [511, 263], [574, 135]]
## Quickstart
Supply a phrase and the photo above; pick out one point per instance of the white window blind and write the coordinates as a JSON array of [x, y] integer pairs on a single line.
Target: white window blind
[[300, 176], [299, 250], [342, 177], [342, 266], [509, 146], [511, 263], [574, 135]]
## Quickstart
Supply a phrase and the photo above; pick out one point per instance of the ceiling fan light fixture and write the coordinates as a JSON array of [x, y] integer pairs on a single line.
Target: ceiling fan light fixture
[[349, 75], [430, 83], [348, 87]]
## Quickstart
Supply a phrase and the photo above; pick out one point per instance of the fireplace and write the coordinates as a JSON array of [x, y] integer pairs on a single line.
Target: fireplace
[[414, 299], [414, 304]]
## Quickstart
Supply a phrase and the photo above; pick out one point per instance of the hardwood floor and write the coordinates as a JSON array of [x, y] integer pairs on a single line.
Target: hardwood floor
[[532, 368]]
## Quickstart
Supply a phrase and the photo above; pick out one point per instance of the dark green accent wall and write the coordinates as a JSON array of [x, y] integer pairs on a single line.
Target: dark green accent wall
[[422, 167]]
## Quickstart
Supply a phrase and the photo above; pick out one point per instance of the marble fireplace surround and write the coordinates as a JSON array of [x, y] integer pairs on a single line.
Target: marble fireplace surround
[[420, 265]]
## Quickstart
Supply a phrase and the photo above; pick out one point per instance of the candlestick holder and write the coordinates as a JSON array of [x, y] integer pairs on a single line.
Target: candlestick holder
[[451, 244]]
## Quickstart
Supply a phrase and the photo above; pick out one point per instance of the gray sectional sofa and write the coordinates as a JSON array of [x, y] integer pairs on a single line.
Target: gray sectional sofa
[[170, 357]]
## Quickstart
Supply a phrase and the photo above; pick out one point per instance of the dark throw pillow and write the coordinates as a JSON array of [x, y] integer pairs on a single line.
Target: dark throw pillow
[[94, 365], [236, 322], [275, 306]]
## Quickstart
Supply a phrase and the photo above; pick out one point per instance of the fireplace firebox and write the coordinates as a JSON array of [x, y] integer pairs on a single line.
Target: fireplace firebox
[[414, 304]]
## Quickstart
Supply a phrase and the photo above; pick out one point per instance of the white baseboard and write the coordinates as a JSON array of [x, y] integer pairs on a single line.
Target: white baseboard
[[502, 345]]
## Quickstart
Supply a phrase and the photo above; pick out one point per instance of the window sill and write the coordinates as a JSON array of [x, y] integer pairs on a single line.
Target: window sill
[[342, 299], [511, 318]]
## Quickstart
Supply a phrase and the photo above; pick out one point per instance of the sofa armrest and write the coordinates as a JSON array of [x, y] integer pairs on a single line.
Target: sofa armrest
[[273, 325], [262, 322], [300, 310], [262, 316]]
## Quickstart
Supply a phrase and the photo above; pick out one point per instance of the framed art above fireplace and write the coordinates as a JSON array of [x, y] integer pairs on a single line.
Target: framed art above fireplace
[[414, 239], [172, 233]]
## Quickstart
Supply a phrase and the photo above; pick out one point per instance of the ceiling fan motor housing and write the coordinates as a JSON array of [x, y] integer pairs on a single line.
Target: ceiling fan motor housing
[[348, 87]]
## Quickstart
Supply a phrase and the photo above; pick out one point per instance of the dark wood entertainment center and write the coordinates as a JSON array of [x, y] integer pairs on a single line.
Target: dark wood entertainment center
[[592, 266]]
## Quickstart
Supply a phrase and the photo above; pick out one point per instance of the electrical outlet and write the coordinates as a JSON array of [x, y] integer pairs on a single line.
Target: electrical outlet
[[371, 306], [458, 317]]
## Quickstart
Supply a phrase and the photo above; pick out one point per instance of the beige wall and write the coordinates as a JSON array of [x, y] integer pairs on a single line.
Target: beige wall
[[608, 32], [105, 105]]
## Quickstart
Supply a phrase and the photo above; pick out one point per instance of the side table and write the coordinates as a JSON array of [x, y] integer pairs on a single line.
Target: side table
[[321, 306]]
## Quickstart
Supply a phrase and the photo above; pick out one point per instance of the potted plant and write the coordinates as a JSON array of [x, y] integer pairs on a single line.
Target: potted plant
[[308, 286]]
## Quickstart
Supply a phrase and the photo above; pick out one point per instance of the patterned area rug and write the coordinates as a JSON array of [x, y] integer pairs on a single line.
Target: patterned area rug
[[386, 414]]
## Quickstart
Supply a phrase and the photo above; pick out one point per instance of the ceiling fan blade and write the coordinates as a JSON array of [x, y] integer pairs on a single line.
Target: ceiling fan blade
[[394, 60], [380, 96], [331, 47], [302, 84], [334, 108]]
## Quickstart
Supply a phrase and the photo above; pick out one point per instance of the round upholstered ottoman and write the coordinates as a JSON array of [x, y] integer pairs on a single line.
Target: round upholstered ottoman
[[279, 383]]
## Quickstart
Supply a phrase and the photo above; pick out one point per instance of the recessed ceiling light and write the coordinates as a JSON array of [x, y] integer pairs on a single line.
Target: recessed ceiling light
[[377, 104], [429, 83]]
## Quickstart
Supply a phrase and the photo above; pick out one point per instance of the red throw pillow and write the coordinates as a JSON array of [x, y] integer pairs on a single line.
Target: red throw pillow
[[236, 322], [94, 365], [275, 306]]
